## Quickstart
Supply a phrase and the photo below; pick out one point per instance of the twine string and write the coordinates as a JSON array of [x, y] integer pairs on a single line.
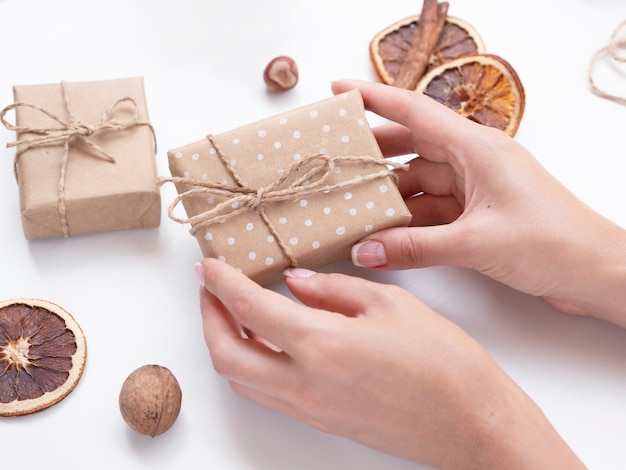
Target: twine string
[[307, 176], [613, 49], [68, 130]]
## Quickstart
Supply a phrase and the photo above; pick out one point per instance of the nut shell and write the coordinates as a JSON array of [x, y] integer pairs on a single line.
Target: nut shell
[[281, 74], [150, 400]]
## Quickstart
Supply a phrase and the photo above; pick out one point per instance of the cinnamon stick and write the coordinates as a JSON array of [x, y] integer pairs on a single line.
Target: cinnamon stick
[[429, 27]]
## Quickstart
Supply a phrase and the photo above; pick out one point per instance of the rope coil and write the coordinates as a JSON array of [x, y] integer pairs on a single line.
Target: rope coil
[[613, 49]]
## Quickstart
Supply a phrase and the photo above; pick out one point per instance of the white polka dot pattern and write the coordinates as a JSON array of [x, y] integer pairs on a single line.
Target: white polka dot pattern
[[318, 228]]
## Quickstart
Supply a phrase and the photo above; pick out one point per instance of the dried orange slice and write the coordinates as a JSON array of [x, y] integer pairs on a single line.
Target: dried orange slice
[[389, 48], [42, 355], [482, 87]]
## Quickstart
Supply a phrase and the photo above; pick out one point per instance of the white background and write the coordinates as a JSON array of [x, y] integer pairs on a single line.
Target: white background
[[135, 294]]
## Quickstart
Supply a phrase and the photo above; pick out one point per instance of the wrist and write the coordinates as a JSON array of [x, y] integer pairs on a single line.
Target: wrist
[[599, 278], [517, 434]]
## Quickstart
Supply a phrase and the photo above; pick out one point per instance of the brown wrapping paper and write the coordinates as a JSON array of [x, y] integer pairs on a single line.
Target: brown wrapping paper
[[318, 227], [97, 194]]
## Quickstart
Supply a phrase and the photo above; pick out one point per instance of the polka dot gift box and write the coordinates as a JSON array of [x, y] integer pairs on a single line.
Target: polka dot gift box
[[296, 189]]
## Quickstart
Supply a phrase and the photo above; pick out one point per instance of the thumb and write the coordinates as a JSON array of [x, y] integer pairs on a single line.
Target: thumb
[[413, 247]]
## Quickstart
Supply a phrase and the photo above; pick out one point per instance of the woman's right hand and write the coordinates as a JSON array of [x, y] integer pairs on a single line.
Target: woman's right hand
[[482, 201], [373, 363]]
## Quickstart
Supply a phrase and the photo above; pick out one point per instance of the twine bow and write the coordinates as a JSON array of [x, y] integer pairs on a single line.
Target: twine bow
[[615, 44], [307, 176], [68, 130]]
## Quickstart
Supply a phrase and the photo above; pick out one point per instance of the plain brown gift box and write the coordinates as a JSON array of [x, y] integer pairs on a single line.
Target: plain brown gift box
[[318, 228], [99, 195]]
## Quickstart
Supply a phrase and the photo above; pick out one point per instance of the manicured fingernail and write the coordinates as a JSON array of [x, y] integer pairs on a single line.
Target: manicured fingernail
[[369, 254], [298, 273], [199, 270]]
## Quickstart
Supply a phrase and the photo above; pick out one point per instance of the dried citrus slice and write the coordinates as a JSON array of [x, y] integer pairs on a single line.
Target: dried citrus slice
[[389, 47], [42, 355], [481, 87]]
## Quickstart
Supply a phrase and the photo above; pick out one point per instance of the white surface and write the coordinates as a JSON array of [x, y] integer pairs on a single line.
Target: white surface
[[135, 294]]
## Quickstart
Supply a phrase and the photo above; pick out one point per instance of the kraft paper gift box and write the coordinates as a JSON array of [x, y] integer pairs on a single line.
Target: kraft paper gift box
[[299, 188], [85, 158]]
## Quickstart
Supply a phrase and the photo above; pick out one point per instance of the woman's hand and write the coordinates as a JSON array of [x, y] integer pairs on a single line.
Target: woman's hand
[[372, 363], [480, 200]]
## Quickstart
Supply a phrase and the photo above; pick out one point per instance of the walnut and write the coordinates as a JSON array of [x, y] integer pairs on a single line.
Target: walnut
[[150, 400]]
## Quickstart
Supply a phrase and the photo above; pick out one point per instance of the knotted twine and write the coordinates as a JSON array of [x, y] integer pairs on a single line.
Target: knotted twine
[[311, 175], [615, 44], [71, 129]]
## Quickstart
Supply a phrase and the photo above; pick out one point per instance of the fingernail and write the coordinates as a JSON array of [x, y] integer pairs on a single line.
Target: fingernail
[[369, 254], [199, 270], [298, 273]]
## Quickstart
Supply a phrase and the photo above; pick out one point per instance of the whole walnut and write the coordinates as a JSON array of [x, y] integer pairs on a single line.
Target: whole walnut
[[150, 400]]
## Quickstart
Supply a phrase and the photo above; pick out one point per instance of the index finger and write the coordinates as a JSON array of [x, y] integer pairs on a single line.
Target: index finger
[[268, 314], [434, 127]]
